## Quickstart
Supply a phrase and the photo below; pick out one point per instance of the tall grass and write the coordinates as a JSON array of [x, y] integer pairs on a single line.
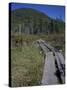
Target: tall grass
[[26, 65]]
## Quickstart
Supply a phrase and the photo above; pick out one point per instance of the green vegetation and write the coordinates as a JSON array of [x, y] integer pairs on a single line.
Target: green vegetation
[[26, 65], [56, 40], [31, 21]]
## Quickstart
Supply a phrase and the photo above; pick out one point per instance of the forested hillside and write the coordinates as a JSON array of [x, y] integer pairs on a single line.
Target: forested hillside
[[31, 21]]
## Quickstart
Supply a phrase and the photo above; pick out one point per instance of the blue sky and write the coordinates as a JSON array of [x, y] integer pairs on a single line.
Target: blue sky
[[51, 10]]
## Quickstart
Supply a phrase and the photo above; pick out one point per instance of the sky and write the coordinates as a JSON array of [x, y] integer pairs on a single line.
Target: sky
[[53, 11]]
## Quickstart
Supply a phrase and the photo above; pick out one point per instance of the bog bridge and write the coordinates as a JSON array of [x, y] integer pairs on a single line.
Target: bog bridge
[[54, 66]]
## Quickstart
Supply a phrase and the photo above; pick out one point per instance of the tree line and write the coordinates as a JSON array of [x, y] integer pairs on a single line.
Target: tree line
[[40, 27]]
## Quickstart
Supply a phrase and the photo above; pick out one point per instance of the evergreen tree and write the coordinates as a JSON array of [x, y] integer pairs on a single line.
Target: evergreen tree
[[51, 26]]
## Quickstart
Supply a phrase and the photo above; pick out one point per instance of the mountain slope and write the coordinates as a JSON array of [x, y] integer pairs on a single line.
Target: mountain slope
[[32, 21]]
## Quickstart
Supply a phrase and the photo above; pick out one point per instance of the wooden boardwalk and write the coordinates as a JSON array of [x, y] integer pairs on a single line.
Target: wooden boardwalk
[[49, 77], [54, 71]]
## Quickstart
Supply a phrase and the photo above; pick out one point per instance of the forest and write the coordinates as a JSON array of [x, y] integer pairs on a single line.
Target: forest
[[31, 21]]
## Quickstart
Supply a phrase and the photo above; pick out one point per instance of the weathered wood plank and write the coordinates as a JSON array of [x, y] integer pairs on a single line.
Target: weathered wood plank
[[54, 65], [49, 76]]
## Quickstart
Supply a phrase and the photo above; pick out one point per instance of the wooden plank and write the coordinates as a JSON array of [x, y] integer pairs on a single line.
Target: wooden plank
[[61, 58], [61, 70], [49, 77]]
